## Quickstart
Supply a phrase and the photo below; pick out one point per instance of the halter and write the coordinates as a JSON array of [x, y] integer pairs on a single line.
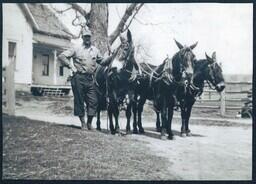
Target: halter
[[128, 57], [210, 85]]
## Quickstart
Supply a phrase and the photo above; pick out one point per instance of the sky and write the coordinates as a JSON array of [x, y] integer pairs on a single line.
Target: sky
[[224, 28]]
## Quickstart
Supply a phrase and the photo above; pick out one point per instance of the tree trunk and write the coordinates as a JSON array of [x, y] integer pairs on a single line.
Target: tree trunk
[[99, 25]]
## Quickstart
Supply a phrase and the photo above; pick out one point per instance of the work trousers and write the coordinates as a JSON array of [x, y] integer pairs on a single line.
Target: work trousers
[[84, 91]]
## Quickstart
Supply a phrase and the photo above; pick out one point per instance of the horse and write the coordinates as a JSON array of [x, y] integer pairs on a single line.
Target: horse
[[160, 84], [204, 70], [114, 83], [142, 91]]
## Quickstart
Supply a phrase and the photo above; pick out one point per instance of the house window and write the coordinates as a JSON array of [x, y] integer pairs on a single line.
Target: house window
[[61, 71], [45, 61], [12, 52]]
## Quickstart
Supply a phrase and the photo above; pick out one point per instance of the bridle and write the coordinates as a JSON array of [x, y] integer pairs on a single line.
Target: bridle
[[211, 74]]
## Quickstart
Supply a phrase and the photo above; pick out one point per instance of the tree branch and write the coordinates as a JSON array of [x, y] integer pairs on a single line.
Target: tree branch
[[78, 8], [60, 11], [136, 12], [120, 27]]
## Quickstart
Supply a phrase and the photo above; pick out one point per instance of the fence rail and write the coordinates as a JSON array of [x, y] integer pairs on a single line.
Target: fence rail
[[232, 98]]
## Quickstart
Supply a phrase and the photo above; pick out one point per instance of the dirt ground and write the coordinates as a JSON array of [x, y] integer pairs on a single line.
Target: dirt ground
[[218, 150], [39, 150]]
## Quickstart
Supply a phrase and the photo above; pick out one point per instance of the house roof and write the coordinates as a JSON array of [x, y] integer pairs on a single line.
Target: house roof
[[46, 22]]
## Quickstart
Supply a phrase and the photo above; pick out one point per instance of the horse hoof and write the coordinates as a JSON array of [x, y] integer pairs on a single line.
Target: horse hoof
[[128, 132], [158, 129], [98, 128], [183, 134], [171, 137], [163, 137], [189, 134], [135, 131], [113, 132], [141, 130]]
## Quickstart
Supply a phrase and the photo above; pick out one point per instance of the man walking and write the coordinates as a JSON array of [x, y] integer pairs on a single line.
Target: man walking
[[85, 59]]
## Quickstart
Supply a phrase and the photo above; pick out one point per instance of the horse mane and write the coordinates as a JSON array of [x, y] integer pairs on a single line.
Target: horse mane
[[176, 66], [201, 63], [159, 69], [200, 66]]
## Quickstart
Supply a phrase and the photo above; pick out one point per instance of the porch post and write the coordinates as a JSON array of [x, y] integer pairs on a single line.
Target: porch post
[[10, 87], [54, 67]]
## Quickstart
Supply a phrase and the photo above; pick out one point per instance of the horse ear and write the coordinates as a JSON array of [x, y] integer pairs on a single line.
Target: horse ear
[[178, 44], [193, 46], [129, 36], [214, 56], [209, 59]]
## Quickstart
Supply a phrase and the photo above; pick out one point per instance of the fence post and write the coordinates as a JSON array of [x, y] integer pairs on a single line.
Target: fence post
[[222, 103], [10, 88]]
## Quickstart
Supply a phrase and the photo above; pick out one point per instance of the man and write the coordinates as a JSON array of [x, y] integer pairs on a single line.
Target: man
[[85, 59]]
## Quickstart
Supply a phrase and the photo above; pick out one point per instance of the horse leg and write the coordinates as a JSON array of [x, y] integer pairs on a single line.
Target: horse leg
[[183, 119], [189, 109], [140, 109], [116, 114], [158, 127], [134, 111], [128, 114], [110, 113], [164, 119], [98, 120], [169, 123]]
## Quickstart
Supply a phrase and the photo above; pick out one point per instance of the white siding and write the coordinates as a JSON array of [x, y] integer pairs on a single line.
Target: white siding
[[17, 29], [38, 77], [62, 80]]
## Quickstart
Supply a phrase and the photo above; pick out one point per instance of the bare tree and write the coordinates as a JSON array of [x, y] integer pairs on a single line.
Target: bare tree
[[97, 21], [142, 51]]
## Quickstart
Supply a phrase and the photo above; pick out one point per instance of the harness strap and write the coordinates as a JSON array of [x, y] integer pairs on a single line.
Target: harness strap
[[150, 80], [152, 70]]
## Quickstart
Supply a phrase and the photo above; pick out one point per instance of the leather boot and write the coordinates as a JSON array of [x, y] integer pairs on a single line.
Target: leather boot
[[89, 122], [82, 122]]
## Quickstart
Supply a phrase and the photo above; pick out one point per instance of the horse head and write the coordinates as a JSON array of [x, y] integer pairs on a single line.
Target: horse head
[[125, 53], [208, 70], [214, 73], [183, 61]]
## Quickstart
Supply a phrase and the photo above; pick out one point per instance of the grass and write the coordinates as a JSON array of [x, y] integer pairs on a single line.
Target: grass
[[40, 150]]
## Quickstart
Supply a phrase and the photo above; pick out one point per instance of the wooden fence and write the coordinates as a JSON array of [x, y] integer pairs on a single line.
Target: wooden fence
[[232, 98]]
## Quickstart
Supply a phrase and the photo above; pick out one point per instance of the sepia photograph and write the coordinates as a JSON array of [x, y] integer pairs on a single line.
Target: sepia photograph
[[127, 91]]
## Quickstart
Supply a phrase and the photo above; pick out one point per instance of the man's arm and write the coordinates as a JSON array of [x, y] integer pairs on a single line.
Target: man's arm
[[103, 61], [65, 56]]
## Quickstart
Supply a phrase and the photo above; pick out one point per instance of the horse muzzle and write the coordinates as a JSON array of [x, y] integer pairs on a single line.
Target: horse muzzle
[[220, 86]]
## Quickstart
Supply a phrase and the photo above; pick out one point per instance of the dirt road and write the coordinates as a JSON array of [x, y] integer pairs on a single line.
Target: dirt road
[[213, 152]]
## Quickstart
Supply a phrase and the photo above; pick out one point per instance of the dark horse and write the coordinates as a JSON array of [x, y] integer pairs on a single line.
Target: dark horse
[[114, 83], [142, 91], [204, 70], [159, 84]]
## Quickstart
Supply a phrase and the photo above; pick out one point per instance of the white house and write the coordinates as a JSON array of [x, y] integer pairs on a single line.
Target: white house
[[33, 37]]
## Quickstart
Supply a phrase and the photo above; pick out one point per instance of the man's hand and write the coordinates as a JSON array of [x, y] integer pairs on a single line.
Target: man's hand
[[73, 69]]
